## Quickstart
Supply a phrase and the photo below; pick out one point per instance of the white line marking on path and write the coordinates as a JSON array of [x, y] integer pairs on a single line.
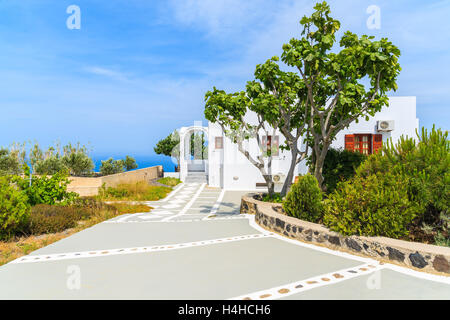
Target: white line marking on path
[[188, 205], [311, 283], [404, 270], [132, 250], [216, 205], [173, 192], [176, 221]]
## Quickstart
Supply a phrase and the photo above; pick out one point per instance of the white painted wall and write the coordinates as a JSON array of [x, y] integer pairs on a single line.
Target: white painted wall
[[240, 174]]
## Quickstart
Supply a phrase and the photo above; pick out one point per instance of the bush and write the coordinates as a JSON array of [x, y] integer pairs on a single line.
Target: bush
[[340, 165], [46, 190], [111, 166], [304, 200], [169, 181], [46, 218], [425, 164], [14, 208], [140, 191], [376, 205]]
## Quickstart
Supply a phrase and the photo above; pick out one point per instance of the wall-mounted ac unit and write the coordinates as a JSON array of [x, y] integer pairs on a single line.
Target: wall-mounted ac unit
[[385, 125]]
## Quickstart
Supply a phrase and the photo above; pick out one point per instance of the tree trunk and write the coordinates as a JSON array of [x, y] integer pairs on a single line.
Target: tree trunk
[[287, 184], [318, 166]]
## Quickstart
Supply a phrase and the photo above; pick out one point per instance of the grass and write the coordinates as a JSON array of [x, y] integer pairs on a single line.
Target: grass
[[87, 212], [169, 181], [140, 191]]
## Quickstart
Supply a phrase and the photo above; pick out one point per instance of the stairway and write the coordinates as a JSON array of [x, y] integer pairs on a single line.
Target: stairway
[[196, 177]]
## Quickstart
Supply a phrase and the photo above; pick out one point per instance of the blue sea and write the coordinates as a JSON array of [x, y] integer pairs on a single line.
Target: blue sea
[[142, 161]]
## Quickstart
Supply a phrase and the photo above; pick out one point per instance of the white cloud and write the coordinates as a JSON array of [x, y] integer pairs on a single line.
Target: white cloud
[[106, 72]]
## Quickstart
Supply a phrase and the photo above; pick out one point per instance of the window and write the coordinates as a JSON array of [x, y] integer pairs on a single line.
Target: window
[[219, 142], [364, 143], [270, 145]]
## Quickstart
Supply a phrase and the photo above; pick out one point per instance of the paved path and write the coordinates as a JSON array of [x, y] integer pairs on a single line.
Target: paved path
[[195, 245]]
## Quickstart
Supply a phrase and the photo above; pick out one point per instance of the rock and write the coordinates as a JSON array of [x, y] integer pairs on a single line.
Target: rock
[[395, 254], [417, 260], [334, 240], [279, 223], [353, 244], [441, 264]]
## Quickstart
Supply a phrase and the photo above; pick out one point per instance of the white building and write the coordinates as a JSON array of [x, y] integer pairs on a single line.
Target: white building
[[227, 168]]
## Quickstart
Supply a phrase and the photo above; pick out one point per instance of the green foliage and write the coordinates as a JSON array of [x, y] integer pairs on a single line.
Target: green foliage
[[340, 165], [169, 145], [169, 181], [77, 160], [275, 198], [14, 208], [11, 160], [74, 159], [376, 205], [140, 191], [46, 218], [111, 166], [199, 149], [304, 200], [45, 190], [129, 163], [425, 164]]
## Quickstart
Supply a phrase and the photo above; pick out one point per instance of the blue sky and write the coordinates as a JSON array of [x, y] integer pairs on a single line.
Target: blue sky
[[138, 69]]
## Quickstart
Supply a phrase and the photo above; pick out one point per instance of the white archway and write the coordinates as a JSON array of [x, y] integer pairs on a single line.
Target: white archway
[[190, 164]]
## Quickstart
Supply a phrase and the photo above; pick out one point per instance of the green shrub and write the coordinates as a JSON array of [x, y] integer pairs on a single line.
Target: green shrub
[[169, 181], [14, 208], [340, 165], [46, 218], [376, 205], [425, 164], [304, 200], [275, 198], [46, 190]]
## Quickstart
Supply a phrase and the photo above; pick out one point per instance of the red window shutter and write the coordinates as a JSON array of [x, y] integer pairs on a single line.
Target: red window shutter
[[350, 142], [377, 142]]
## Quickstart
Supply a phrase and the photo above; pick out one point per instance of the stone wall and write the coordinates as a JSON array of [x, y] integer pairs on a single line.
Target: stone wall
[[419, 256], [89, 186]]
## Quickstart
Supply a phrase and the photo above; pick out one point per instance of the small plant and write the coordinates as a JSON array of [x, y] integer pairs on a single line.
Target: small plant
[[46, 190], [139, 191], [275, 198], [169, 181], [14, 208], [304, 200]]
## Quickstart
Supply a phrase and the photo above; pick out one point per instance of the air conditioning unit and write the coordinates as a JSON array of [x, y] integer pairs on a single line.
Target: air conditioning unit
[[385, 125]]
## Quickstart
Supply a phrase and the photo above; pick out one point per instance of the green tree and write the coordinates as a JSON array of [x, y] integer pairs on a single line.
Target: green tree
[[129, 163], [111, 166], [342, 85], [9, 163], [277, 98], [77, 160], [169, 146]]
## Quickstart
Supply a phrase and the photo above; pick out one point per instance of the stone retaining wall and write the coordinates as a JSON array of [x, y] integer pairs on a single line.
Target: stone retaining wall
[[89, 186], [419, 256]]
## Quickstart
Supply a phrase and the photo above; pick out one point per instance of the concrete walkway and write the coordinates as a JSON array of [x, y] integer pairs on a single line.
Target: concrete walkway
[[195, 245]]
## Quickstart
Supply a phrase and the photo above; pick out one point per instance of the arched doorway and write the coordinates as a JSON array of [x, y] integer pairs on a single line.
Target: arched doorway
[[194, 153]]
